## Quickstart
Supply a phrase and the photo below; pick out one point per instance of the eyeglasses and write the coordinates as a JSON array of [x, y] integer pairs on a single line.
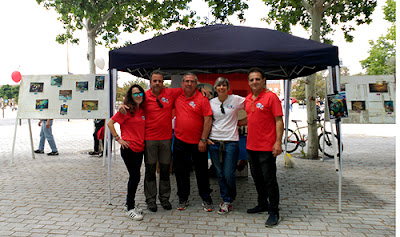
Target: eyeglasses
[[222, 108], [159, 103], [137, 94]]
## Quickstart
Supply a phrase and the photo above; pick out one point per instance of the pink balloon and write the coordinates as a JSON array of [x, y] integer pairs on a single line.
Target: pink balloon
[[16, 76]]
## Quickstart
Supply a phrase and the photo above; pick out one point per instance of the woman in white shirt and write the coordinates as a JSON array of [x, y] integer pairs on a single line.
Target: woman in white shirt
[[223, 142]]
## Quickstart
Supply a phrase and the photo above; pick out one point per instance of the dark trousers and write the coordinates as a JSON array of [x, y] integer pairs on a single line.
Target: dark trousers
[[97, 125], [184, 156], [133, 162], [263, 171]]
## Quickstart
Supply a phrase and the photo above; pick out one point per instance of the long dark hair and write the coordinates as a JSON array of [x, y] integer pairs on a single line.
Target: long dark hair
[[129, 99]]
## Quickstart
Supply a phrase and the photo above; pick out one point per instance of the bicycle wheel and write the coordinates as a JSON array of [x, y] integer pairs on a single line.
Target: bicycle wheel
[[292, 141], [329, 150]]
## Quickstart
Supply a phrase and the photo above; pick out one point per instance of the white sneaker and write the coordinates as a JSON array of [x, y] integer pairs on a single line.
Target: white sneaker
[[224, 208], [137, 209], [135, 214]]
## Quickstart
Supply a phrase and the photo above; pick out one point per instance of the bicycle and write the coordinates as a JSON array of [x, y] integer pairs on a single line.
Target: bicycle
[[296, 138]]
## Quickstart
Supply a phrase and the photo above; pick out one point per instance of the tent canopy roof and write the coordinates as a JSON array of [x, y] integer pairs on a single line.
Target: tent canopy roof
[[225, 49]]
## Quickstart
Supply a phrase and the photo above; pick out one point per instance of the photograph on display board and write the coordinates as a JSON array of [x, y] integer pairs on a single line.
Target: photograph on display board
[[36, 87], [65, 95], [358, 105], [82, 85], [99, 83], [42, 104], [389, 106], [64, 109], [342, 87], [379, 87], [90, 104], [337, 105], [56, 80]]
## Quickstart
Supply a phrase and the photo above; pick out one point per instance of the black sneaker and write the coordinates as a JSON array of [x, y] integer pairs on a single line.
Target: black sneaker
[[257, 209], [152, 206], [272, 220], [39, 151], [182, 204], [208, 205], [52, 153], [166, 205], [94, 153]]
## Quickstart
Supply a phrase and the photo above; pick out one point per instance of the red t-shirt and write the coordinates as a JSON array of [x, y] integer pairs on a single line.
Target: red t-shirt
[[190, 113], [132, 128], [261, 127], [159, 120]]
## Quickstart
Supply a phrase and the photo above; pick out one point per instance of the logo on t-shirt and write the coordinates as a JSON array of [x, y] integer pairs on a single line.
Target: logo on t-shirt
[[165, 100], [230, 107], [260, 106], [192, 104], [143, 117]]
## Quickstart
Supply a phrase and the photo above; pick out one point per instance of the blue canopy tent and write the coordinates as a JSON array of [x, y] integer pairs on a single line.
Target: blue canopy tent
[[227, 49]]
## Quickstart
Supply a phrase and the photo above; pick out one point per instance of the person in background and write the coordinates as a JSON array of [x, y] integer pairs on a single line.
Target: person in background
[[223, 142], [132, 125], [264, 143], [192, 127], [98, 124], [46, 133]]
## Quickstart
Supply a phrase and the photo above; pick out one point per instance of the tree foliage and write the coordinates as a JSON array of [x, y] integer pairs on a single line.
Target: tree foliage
[[382, 54], [346, 14], [105, 20], [299, 87], [9, 92]]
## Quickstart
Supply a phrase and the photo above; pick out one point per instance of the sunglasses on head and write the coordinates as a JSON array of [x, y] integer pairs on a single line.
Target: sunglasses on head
[[137, 94]]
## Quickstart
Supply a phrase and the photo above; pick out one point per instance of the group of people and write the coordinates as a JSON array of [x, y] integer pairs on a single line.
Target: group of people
[[202, 127]]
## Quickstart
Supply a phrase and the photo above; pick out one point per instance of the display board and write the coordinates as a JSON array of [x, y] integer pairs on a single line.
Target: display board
[[63, 97]]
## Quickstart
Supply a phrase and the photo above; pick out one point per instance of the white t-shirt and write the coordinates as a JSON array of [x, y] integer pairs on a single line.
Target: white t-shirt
[[224, 126]]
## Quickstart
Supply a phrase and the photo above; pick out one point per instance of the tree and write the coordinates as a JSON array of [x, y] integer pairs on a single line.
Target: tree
[[9, 92], [382, 55], [107, 18], [319, 16], [299, 87]]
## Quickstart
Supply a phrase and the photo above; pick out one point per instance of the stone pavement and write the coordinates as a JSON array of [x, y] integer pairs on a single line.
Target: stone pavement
[[67, 195]]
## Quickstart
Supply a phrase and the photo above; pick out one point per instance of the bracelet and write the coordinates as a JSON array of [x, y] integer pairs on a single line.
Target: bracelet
[[117, 139]]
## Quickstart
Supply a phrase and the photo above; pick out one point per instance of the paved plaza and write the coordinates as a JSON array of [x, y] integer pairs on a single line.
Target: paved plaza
[[68, 195]]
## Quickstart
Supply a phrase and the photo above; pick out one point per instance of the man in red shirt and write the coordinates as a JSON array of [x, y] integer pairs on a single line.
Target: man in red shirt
[[264, 143], [158, 140], [192, 127]]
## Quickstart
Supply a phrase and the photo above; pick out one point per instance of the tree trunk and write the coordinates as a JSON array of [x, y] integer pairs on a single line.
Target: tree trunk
[[91, 54], [312, 144]]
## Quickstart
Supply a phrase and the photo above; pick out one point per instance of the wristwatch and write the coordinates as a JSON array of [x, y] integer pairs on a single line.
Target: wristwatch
[[203, 140]]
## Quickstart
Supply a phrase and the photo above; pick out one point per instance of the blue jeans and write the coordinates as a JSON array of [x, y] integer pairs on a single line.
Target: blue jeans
[[45, 133], [224, 157], [263, 171], [133, 162]]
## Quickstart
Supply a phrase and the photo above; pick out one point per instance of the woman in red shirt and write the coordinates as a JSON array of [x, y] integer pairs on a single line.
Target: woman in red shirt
[[132, 126]]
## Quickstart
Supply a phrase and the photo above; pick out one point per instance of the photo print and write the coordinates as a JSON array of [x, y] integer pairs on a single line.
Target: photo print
[[36, 87], [337, 105], [90, 104], [64, 109], [65, 95], [56, 80], [82, 85], [358, 105], [42, 104], [388, 106], [379, 87], [99, 83]]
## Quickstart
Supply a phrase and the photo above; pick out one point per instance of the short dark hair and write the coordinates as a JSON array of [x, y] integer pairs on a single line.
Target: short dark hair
[[256, 69], [156, 72]]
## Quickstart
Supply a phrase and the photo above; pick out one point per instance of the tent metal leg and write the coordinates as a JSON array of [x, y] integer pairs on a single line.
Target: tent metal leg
[[13, 146]]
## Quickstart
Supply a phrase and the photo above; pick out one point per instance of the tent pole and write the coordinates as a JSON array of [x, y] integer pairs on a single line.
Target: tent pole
[[112, 89], [287, 88], [30, 136], [13, 146]]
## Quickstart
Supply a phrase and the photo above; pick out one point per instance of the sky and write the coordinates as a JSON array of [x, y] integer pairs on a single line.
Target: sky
[[29, 30]]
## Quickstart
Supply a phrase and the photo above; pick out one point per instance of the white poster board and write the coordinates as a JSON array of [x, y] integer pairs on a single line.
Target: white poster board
[[63, 97]]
